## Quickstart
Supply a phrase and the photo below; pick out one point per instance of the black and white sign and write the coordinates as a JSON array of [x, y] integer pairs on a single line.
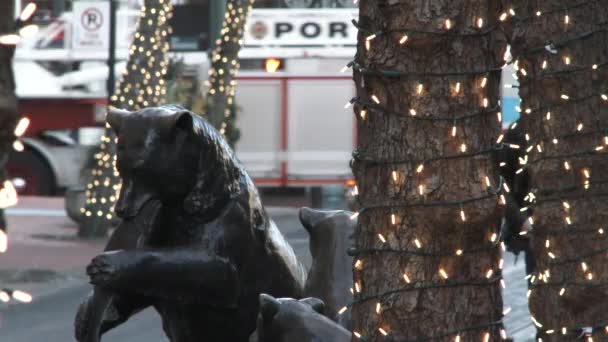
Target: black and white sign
[[301, 27], [91, 27]]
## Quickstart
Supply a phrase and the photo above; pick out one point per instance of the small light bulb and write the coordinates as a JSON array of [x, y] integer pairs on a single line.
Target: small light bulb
[[448, 24], [403, 39], [22, 296], [381, 237]]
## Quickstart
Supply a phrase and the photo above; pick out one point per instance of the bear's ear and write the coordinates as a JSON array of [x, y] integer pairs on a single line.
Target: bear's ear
[[269, 306], [315, 303], [184, 120], [310, 217], [115, 117]]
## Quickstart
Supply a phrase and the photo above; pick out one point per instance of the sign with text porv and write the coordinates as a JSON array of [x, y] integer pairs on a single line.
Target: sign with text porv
[[91, 26], [301, 27]]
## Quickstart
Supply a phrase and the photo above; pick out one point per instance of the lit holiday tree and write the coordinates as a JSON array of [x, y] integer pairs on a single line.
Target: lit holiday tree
[[142, 85], [220, 108]]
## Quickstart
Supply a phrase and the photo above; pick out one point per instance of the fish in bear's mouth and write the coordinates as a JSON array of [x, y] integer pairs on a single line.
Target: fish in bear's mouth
[[134, 196]]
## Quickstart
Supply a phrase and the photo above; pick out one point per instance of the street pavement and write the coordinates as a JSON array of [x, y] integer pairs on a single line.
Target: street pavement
[[44, 259]]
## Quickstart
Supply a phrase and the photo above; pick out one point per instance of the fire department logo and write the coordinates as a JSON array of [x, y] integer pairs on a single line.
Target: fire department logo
[[259, 30]]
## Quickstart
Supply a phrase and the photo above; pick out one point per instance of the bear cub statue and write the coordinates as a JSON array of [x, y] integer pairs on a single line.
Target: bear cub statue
[[330, 277], [292, 320]]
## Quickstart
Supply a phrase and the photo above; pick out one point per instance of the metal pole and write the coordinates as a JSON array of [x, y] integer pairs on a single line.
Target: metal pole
[[112, 50]]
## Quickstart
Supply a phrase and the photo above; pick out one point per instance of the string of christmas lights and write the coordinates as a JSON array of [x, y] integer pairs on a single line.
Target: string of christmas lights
[[142, 85], [407, 175]]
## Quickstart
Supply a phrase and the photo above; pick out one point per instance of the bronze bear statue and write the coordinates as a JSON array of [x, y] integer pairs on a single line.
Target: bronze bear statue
[[292, 320], [330, 277], [210, 249]]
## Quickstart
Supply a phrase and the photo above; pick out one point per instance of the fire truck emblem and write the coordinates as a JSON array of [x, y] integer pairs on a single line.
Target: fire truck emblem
[[259, 30]]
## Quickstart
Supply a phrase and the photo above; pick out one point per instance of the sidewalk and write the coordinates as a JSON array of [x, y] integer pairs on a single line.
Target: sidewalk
[[43, 253]]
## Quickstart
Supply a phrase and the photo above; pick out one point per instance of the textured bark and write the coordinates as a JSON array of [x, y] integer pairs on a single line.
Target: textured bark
[[584, 301], [428, 313], [142, 85], [220, 107]]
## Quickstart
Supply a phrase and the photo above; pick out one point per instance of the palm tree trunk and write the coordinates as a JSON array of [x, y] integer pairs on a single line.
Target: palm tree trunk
[[556, 44], [427, 259]]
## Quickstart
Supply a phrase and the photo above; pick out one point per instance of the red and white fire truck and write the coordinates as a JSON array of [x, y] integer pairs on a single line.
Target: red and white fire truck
[[294, 128]]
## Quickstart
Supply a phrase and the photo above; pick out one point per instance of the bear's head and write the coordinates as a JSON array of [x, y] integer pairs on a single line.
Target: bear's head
[[330, 231], [171, 153], [287, 319]]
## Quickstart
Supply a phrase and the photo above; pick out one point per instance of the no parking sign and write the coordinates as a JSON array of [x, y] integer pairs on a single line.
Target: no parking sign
[[91, 26]]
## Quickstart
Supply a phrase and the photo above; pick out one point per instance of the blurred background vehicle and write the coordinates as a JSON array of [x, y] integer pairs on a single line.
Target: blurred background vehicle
[[291, 94]]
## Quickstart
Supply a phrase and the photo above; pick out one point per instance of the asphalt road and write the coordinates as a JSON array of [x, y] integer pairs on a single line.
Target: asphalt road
[[50, 318]]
